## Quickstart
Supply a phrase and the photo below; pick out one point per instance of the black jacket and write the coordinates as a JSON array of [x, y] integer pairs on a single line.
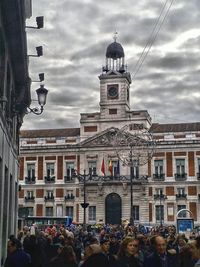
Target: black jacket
[[96, 260], [127, 261], [155, 260]]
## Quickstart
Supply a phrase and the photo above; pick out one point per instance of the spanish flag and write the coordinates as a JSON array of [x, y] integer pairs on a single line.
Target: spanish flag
[[110, 167], [103, 167]]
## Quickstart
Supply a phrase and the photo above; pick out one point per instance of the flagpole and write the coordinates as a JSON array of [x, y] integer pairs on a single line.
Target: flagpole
[[131, 185]]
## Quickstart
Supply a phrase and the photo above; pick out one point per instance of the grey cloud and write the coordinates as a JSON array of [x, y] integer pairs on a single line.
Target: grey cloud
[[75, 38]]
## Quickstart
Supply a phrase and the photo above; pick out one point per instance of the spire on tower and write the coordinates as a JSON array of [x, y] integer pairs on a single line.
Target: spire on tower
[[115, 36]]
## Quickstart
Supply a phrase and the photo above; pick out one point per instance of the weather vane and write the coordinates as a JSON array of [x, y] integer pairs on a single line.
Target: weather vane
[[115, 36]]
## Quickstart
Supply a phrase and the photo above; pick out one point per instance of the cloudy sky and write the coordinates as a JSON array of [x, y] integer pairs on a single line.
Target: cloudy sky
[[161, 41]]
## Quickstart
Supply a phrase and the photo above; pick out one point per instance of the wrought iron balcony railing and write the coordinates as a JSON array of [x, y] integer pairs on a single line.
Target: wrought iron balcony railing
[[49, 179], [49, 198], [112, 178], [69, 197], [181, 196], [30, 180], [159, 176], [69, 179], [159, 197], [180, 176], [29, 199]]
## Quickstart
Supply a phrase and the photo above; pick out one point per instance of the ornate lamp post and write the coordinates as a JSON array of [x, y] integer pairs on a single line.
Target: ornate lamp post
[[83, 178], [161, 197], [134, 146]]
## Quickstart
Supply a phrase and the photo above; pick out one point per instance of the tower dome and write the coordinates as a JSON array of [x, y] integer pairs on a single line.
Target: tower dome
[[114, 57], [115, 50]]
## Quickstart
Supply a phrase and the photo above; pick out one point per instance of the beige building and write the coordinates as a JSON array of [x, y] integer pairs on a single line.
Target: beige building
[[167, 183]]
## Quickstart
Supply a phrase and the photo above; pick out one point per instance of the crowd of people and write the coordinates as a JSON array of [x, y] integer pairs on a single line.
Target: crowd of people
[[104, 246]]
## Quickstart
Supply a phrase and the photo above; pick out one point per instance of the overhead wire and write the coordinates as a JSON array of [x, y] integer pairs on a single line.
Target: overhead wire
[[152, 37]]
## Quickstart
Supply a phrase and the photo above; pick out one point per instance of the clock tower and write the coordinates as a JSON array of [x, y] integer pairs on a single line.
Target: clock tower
[[114, 84]]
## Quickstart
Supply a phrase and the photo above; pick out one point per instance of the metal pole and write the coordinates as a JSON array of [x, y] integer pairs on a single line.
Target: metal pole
[[160, 212], [84, 201], [131, 187]]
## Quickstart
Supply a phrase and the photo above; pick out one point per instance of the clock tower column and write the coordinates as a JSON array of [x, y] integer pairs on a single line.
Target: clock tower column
[[114, 84]]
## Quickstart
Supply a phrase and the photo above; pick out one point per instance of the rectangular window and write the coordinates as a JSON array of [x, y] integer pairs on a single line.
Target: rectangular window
[[136, 214], [159, 213], [59, 210], [30, 211], [198, 166], [181, 191], [30, 194], [182, 214], [69, 211], [159, 191], [92, 166], [112, 111], [50, 169], [158, 165], [90, 128], [92, 213], [49, 194], [69, 170], [30, 170], [116, 168], [69, 195], [180, 167], [135, 169], [49, 211]]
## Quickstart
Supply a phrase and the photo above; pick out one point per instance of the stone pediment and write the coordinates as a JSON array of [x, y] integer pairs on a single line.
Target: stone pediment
[[104, 138]]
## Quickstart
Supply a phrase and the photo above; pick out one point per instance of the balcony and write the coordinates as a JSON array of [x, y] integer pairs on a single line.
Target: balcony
[[159, 197], [158, 176], [30, 180], [29, 198], [69, 197], [181, 196], [180, 176], [49, 198], [49, 179], [69, 179]]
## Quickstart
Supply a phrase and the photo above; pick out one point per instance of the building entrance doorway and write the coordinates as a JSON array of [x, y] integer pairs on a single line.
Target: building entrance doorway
[[113, 212]]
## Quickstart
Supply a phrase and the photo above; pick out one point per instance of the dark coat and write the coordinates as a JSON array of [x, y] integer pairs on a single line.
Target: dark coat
[[60, 262], [96, 260], [154, 260], [18, 258], [127, 261]]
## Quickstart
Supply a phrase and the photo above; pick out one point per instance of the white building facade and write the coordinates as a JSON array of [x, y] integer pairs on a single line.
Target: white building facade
[[167, 183]]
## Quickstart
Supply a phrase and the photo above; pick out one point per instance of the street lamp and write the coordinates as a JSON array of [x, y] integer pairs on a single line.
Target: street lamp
[[83, 178], [134, 146], [161, 197], [42, 95]]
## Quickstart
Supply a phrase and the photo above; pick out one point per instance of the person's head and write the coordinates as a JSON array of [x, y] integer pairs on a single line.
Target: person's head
[[160, 245], [195, 248], [181, 242], [129, 246], [13, 244], [92, 249], [68, 254], [105, 245]]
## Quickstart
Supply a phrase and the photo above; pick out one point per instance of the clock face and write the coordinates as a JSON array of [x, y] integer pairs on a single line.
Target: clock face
[[113, 91]]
